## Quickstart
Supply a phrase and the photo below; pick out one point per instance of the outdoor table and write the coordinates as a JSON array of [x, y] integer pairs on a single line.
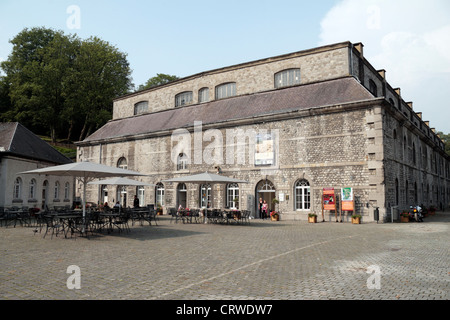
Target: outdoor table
[[72, 223], [111, 216], [141, 214]]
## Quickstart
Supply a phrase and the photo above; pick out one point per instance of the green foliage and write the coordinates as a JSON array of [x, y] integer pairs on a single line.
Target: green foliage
[[446, 139], [158, 80], [56, 83]]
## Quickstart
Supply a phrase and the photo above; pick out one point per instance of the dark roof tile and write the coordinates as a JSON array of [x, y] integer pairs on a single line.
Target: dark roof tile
[[332, 92], [18, 140]]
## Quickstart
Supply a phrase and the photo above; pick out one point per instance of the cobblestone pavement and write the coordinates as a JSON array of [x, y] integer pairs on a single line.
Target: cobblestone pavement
[[283, 260]]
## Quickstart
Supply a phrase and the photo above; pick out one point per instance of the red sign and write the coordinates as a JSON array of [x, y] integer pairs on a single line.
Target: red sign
[[329, 201]]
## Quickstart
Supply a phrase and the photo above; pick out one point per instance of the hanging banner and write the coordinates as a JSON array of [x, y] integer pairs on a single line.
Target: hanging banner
[[347, 199], [264, 150], [329, 201]]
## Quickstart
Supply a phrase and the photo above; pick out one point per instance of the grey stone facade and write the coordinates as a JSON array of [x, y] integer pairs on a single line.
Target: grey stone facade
[[340, 125]]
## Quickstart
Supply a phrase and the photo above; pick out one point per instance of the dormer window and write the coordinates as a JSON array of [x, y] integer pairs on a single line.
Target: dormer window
[[183, 99], [286, 78], [141, 107], [373, 88], [203, 95], [226, 90]]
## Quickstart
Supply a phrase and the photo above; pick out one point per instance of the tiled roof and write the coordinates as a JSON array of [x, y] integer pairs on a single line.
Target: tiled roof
[[332, 92], [18, 140]]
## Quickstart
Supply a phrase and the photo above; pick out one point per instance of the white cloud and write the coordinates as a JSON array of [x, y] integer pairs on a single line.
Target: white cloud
[[409, 39]]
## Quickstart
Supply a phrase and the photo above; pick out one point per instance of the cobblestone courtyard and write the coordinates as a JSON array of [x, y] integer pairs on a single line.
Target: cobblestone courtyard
[[284, 260]]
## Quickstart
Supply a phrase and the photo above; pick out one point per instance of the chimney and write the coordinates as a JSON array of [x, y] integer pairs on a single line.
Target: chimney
[[360, 47]]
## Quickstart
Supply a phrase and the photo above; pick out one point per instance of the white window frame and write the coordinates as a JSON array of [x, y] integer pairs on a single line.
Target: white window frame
[[302, 192], [159, 194], [32, 194], [205, 196], [232, 193], [17, 191]]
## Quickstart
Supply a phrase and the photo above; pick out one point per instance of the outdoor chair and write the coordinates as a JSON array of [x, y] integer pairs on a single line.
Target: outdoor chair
[[152, 216], [3, 217], [195, 215], [51, 224], [122, 222], [175, 215], [24, 218], [245, 216]]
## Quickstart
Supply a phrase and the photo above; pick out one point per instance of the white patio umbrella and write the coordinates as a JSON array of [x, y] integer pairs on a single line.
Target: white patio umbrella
[[120, 181], [205, 177], [85, 172]]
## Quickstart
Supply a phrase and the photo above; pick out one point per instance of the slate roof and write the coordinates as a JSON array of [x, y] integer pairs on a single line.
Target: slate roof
[[17, 140], [327, 93]]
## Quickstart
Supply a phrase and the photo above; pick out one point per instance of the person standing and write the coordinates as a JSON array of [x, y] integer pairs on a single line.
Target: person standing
[[265, 207], [136, 202], [260, 208]]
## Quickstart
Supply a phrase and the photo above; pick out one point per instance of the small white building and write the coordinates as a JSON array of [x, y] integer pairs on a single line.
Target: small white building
[[21, 150]]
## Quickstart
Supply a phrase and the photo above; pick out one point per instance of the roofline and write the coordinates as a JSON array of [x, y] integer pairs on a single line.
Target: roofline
[[278, 116], [24, 156], [339, 45]]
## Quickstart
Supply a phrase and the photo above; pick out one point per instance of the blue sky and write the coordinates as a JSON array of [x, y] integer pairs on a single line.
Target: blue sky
[[410, 39]]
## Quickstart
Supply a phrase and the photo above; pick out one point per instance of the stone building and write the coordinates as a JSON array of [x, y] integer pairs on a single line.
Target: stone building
[[290, 125], [20, 151]]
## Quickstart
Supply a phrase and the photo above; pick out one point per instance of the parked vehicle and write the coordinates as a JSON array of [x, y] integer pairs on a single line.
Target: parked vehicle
[[415, 214]]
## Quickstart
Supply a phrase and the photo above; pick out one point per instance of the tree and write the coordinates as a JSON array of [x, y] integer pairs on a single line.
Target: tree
[[446, 139], [158, 80], [60, 82], [34, 72], [101, 73]]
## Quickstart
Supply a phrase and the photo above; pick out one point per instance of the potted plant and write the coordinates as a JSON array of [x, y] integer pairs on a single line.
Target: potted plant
[[312, 218], [274, 216], [404, 216], [159, 210], [356, 218]]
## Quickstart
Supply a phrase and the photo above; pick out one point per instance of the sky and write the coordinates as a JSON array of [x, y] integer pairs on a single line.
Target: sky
[[410, 39]]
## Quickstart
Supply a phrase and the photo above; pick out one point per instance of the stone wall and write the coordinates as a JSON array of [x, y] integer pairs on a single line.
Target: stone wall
[[328, 150], [315, 65]]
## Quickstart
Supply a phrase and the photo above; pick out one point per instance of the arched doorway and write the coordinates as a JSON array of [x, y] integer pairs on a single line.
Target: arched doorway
[[105, 195], [121, 195], [181, 195], [265, 190], [44, 195]]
